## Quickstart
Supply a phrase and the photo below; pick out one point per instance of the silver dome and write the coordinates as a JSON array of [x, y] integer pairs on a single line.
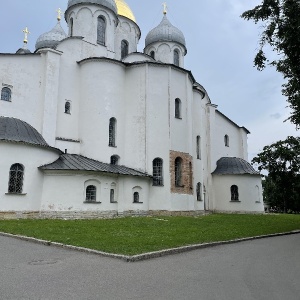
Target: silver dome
[[107, 3], [165, 32], [52, 38]]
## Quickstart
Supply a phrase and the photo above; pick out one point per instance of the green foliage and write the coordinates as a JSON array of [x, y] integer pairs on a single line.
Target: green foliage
[[282, 32], [144, 234], [282, 185]]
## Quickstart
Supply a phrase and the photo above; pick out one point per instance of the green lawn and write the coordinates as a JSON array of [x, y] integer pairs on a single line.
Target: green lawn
[[135, 235]]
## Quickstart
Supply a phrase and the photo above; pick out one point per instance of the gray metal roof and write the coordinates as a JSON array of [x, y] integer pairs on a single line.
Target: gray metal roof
[[23, 51], [15, 130], [75, 162], [165, 32], [234, 166], [107, 3], [52, 38]]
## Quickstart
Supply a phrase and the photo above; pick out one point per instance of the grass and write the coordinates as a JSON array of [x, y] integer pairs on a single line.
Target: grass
[[135, 235]]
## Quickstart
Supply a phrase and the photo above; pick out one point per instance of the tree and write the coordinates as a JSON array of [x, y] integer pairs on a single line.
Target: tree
[[282, 185], [281, 23]]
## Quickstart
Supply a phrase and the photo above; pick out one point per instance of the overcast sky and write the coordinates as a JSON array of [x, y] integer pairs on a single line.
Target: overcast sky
[[221, 48]]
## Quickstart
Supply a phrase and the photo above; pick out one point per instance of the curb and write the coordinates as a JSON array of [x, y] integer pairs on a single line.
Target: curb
[[149, 255]]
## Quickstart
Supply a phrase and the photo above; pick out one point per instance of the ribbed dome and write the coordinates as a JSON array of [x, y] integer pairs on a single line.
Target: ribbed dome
[[124, 10], [165, 32], [234, 166], [52, 38], [15, 130], [107, 3]]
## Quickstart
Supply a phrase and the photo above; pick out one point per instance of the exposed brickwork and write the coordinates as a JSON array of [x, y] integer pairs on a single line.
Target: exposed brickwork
[[187, 173]]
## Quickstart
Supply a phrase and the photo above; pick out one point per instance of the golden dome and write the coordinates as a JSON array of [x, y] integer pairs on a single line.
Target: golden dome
[[124, 10]]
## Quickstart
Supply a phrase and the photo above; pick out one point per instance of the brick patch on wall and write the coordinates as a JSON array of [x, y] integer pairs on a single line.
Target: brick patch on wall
[[187, 173]]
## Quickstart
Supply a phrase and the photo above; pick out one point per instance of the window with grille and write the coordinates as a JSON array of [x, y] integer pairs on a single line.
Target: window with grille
[[16, 175], [234, 193], [6, 94], [226, 140], [178, 172], [101, 29], [198, 147], [158, 172], [199, 191], [177, 108], [91, 193], [136, 197], [114, 160], [176, 57], [67, 107], [112, 132], [124, 49]]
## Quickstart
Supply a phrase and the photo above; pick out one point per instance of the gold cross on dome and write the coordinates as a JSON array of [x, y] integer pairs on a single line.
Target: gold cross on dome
[[58, 14], [26, 32], [165, 8]]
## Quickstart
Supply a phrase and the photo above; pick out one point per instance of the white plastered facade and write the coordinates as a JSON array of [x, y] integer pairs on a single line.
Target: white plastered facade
[[139, 92]]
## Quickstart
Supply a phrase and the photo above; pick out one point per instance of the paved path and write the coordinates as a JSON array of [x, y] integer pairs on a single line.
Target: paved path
[[260, 269]]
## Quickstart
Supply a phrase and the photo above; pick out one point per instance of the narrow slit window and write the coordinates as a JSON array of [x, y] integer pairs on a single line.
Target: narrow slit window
[[136, 197], [199, 191], [176, 57], [112, 196], [234, 193], [68, 107], [152, 54], [177, 108], [178, 172], [226, 140], [112, 132], [124, 49], [16, 175], [198, 141], [101, 31], [6, 94], [71, 26]]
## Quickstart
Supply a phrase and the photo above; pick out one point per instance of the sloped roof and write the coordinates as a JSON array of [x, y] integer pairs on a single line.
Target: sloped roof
[[15, 130], [233, 166], [75, 162]]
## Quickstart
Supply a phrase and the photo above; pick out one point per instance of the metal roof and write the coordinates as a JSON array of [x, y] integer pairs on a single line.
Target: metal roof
[[165, 32], [106, 3], [234, 166], [15, 130], [75, 162]]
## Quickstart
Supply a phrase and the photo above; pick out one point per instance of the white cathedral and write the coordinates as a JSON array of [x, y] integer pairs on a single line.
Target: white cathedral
[[89, 127]]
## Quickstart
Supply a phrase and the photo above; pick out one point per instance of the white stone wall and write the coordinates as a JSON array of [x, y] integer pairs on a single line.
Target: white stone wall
[[250, 193], [31, 158]]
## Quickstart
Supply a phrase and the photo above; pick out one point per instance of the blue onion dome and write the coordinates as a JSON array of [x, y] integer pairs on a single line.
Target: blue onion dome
[[165, 32], [106, 3], [15, 130], [52, 38]]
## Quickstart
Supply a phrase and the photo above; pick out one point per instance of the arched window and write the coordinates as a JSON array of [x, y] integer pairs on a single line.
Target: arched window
[[158, 179], [152, 54], [226, 140], [101, 30], [67, 107], [112, 196], [91, 192], [178, 172], [198, 141], [124, 49], [177, 108], [234, 193], [71, 26], [16, 175], [199, 191], [6, 94], [176, 57], [136, 197], [114, 159], [112, 132]]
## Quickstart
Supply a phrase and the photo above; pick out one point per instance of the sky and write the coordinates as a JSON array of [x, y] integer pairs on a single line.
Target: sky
[[221, 48]]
